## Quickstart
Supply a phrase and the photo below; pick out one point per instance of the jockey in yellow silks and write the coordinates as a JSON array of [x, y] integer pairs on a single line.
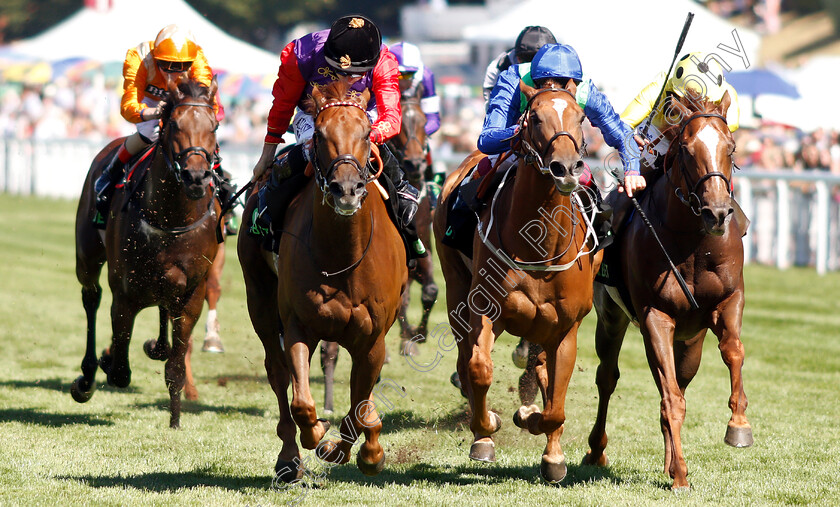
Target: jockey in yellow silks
[[147, 71], [694, 71]]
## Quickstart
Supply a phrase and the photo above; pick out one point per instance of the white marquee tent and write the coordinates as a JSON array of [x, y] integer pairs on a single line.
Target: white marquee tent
[[105, 36], [623, 45]]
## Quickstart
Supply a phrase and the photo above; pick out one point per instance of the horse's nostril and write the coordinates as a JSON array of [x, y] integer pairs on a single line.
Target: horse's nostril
[[557, 169], [335, 188], [578, 167]]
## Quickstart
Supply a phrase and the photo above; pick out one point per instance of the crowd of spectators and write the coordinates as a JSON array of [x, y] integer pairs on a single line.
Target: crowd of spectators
[[88, 108]]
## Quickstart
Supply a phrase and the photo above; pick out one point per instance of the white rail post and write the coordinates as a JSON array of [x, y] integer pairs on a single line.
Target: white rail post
[[822, 227], [783, 225]]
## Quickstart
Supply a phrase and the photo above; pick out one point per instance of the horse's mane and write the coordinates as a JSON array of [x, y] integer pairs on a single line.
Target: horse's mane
[[698, 104], [189, 89], [337, 90]]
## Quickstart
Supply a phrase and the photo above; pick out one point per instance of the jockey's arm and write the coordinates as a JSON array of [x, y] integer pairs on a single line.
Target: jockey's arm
[[502, 112], [430, 103], [134, 81], [287, 91], [641, 106], [386, 90]]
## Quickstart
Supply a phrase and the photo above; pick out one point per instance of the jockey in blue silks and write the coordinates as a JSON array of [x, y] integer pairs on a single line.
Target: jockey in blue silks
[[560, 62]]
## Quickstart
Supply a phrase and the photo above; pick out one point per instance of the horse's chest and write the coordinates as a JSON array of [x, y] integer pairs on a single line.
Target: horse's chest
[[163, 268]]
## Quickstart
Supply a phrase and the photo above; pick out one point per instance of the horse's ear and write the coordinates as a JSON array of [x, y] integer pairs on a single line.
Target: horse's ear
[[677, 109], [318, 98], [527, 90], [365, 97], [572, 87], [214, 87], [725, 101]]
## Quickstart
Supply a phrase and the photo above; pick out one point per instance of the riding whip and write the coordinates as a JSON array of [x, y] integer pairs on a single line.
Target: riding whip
[[677, 274]]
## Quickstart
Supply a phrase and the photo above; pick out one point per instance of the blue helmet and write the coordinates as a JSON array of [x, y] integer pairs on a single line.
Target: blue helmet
[[556, 61]]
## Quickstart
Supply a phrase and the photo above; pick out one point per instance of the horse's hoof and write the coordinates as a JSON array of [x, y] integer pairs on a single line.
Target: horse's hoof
[[409, 348], [150, 348], [553, 473], [367, 468], [520, 415], [81, 391], [738, 437], [190, 392], [496, 419], [326, 424], [484, 451], [587, 460], [520, 357], [105, 362], [287, 471], [121, 379]]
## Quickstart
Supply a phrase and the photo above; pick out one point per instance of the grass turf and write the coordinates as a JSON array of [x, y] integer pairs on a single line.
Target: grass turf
[[117, 449]]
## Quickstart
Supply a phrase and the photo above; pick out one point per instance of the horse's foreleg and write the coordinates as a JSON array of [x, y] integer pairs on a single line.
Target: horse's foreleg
[[609, 336], [728, 330], [658, 332], [175, 371], [428, 297], [480, 376], [299, 352], [329, 358], [159, 349], [82, 388], [115, 361], [560, 363], [362, 416], [528, 380]]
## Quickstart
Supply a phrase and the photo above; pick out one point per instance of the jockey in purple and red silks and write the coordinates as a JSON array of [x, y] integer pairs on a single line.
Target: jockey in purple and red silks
[[352, 50], [417, 74]]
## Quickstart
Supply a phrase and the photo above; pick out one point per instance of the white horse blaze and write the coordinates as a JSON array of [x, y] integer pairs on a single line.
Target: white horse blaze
[[710, 137]]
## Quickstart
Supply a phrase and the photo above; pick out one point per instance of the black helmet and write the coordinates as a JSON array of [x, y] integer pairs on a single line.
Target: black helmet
[[530, 40], [353, 44]]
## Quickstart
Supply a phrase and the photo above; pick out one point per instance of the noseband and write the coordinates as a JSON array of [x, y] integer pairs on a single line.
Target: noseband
[[174, 164], [322, 176], [533, 156], [693, 200]]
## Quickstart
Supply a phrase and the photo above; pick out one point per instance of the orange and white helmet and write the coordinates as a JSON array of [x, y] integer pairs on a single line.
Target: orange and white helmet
[[175, 44], [697, 72]]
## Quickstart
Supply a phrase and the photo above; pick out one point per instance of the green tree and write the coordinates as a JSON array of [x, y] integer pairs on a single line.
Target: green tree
[[25, 18]]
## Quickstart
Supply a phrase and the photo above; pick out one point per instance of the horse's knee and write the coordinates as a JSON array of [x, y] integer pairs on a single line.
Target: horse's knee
[[430, 294], [303, 413], [481, 371], [607, 379]]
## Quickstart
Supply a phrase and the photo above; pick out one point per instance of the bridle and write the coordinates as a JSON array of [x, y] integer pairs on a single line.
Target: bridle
[[532, 155], [175, 163], [693, 200], [322, 175]]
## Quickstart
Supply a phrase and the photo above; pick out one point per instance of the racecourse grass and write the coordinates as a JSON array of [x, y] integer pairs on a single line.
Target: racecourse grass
[[117, 449]]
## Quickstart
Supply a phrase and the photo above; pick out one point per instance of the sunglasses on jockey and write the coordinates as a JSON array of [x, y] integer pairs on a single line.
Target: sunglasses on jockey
[[174, 67], [350, 74]]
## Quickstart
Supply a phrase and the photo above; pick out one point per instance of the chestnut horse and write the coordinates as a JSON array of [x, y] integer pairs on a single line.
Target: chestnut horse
[[340, 273], [690, 208], [542, 299], [159, 243]]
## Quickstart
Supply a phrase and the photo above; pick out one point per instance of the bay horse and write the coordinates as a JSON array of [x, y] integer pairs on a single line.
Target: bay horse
[[159, 243], [690, 207], [338, 276], [544, 298], [410, 148]]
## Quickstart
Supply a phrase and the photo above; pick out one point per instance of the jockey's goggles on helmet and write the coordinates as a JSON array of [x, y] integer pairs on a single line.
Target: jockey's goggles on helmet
[[407, 75], [349, 74], [173, 67]]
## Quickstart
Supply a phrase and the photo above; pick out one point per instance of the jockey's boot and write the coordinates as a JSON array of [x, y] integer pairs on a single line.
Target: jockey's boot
[[225, 192], [287, 179], [104, 187], [408, 201]]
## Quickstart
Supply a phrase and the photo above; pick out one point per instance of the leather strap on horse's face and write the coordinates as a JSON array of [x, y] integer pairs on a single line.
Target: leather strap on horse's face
[[322, 176], [532, 153], [693, 200], [175, 163]]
